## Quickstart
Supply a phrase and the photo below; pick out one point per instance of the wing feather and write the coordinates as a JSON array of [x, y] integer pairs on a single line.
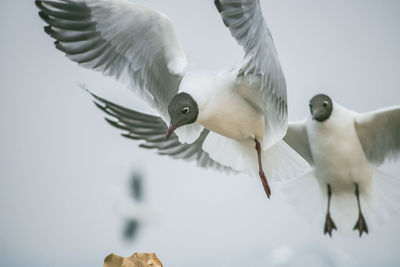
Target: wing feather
[[132, 43], [261, 65], [379, 134], [297, 138], [152, 129]]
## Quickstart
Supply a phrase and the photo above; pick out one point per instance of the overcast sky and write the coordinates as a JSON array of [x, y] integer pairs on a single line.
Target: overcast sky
[[64, 172]]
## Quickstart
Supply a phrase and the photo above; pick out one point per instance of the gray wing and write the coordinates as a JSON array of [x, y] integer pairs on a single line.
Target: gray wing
[[152, 130], [132, 43], [297, 138], [246, 24], [379, 134]]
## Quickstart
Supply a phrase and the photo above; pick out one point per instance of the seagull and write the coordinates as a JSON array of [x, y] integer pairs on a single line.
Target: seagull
[[133, 209], [133, 221], [235, 119], [342, 147]]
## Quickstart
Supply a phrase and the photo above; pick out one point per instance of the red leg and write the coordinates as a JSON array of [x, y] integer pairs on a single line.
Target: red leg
[[264, 180]]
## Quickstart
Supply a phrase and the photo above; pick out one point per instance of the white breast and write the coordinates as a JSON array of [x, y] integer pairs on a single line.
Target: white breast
[[222, 109], [337, 153]]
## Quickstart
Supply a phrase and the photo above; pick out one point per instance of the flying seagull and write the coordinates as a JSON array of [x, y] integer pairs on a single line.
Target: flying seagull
[[342, 146], [133, 209], [133, 222], [220, 118]]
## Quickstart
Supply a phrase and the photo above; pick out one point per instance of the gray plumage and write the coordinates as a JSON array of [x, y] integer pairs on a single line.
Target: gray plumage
[[138, 46], [342, 146], [152, 129], [379, 134], [261, 64], [95, 35], [297, 137]]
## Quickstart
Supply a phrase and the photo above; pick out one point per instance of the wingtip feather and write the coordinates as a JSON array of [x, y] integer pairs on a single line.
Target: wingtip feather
[[48, 30], [38, 4], [218, 5]]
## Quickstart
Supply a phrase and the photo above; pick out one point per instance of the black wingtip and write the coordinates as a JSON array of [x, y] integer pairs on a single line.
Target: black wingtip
[[112, 122], [218, 5], [84, 88], [98, 101], [96, 97], [58, 46], [145, 146], [99, 106], [130, 136], [38, 4], [44, 16], [48, 29], [116, 124]]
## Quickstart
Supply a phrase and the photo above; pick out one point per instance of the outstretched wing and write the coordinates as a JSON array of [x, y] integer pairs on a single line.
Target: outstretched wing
[[379, 134], [127, 41], [261, 65], [152, 130], [297, 137]]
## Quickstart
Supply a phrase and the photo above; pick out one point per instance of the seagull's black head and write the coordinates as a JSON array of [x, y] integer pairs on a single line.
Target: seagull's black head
[[182, 110], [320, 107]]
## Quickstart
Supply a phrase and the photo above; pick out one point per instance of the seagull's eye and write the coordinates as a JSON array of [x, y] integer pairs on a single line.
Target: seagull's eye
[[325, 104], [185, 110]]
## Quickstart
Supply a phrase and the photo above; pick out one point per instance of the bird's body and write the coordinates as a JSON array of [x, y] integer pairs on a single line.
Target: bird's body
[[244, 109], [342, 147], [339, 159], [222, 107]]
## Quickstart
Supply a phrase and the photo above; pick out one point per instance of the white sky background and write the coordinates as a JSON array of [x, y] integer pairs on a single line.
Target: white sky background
[[63, 169]]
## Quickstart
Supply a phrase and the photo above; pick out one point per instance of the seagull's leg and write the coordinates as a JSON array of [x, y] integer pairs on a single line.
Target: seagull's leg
[[361, 224], [329, 224], [260, 170]]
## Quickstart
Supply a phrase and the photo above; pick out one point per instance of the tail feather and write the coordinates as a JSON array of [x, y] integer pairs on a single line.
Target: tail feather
[[387, 191], [305, 196], [378, 204], [279, 162]]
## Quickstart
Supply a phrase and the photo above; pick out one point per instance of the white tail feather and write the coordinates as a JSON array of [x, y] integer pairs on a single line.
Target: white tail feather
[[378, 204], [305, 195], [279, 162], [387, 191]]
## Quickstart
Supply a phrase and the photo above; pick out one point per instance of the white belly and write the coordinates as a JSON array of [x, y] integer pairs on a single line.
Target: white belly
[[221, 107], [229, 114], [339, 158]]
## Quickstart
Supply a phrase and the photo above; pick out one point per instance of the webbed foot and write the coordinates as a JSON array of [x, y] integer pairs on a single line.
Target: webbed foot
[[329, 225], [361, 225]]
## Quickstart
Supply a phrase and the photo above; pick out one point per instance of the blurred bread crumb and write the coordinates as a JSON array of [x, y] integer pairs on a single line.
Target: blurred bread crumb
[[136, 260]]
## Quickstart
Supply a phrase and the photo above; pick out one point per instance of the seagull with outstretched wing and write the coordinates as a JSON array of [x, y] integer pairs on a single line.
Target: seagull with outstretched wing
[[342, 146], [233, 120]]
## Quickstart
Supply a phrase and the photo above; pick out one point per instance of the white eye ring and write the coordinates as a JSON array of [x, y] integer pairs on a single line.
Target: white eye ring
[[325, 104], [185, 110]]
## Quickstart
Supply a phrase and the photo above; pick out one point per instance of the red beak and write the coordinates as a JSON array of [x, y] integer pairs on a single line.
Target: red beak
[[170, 130]]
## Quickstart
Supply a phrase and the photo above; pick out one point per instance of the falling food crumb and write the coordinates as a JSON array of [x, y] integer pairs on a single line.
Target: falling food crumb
[[136, 260]]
